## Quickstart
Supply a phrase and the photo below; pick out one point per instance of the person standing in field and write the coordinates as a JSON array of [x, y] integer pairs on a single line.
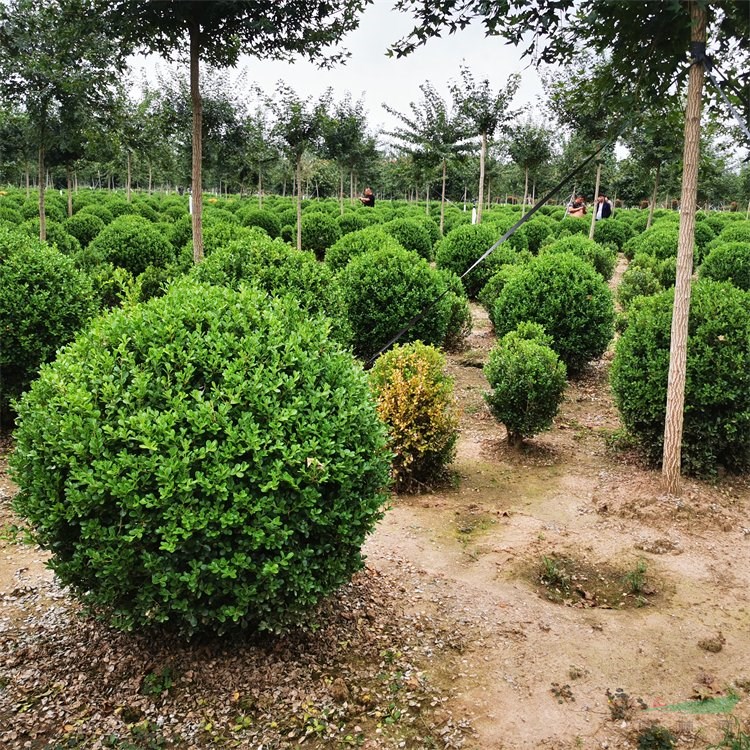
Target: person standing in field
[[577, 208], [603, 207], [368, 199]]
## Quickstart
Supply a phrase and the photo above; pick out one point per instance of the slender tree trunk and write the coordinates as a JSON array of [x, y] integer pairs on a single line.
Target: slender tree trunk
[[28, 182], [341, 192], [260, 188], [299, 202], [69, 180], [42, 216], [351, 186], [197, 176], [482, 157], [150, 178], [442, 200], [653, 197], [75, 182], [592, 228], [427, 200], [129, 176], [674, 417], [525, 189], [489, 189]]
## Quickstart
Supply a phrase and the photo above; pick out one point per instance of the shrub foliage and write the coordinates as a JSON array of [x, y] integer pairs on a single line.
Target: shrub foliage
[[205, 461], [415, 400]]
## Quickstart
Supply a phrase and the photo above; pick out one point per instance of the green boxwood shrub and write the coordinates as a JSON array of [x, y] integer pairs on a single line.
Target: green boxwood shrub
[[716, 430], [574, 225], [204, 462], [52, 210], [527, 380], [57, 237], [637, 281], [44, 301], [263, 218], [96, 209], [460, 248], [536, 231], [384, 290], [84, 227], [566, 296], [660, 241], [279, 269], [133, 243], [729, 262], [357, 243], [415, 401], [319, 232], [603, 259], [173, 212], [411, 235], [10, 215], [181, 232], [612, 232], [352, 221]]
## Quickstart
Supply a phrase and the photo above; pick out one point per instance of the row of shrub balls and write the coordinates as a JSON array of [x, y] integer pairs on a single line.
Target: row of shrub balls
[[207, 451]]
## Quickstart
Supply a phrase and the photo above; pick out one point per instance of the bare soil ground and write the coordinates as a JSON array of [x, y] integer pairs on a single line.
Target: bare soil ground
[[550, 597]]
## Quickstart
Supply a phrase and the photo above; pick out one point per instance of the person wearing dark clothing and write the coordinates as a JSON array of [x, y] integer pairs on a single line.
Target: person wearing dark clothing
[[603, 207], [368, 199]]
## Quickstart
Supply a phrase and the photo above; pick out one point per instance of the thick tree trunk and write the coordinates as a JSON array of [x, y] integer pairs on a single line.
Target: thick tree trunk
[[442, 200], [592, 228], [674, 417], [197, 179], [653, 197], [482, 157], [42, 182], [299, 202]]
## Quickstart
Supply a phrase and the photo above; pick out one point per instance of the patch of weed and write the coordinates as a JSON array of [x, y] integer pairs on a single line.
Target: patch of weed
[[635, 579], [655, 737], [158, 682], [734, 737]]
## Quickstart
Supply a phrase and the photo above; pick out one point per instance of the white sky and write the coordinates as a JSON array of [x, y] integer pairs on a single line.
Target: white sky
[[375, 78]]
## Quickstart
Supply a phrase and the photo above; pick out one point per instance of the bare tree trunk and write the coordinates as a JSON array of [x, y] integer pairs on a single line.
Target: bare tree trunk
[[653, 197], [42, 216], [592, 228], [482, 157], [442, 200], [525, 188], [351, 186], [75, 182], [427, 200], [341, 192], [260, 188], [197, 173], [299, 202], [674, 417], [150, 178], [69, 179], [28, 182], [129, 176]]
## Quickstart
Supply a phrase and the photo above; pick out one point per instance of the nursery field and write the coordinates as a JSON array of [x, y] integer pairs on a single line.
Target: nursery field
[[549, 596]]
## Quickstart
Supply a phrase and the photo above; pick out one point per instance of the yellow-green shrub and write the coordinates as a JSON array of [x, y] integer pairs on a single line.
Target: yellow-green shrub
[[415, 400]]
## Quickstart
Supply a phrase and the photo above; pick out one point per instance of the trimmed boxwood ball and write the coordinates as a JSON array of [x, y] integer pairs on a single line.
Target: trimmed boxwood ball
[[133, 243], [566, 296], [612, 232], [84, 227], [461, 247], [415, 400], [573, 225], [206, 461], [351, 221], [527, 380], [44, 301], [319, 232], [716, 430], [357, 243], [258, 217], [729, 262], [411, 235], [384, 289], [279, 269], [97, 210], [637, 281], [603, 259]]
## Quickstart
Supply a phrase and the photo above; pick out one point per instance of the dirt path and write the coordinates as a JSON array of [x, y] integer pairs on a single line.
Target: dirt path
[[536, 673]]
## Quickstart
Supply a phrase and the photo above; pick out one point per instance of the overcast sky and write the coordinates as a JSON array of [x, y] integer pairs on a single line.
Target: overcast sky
[[372, 76]]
